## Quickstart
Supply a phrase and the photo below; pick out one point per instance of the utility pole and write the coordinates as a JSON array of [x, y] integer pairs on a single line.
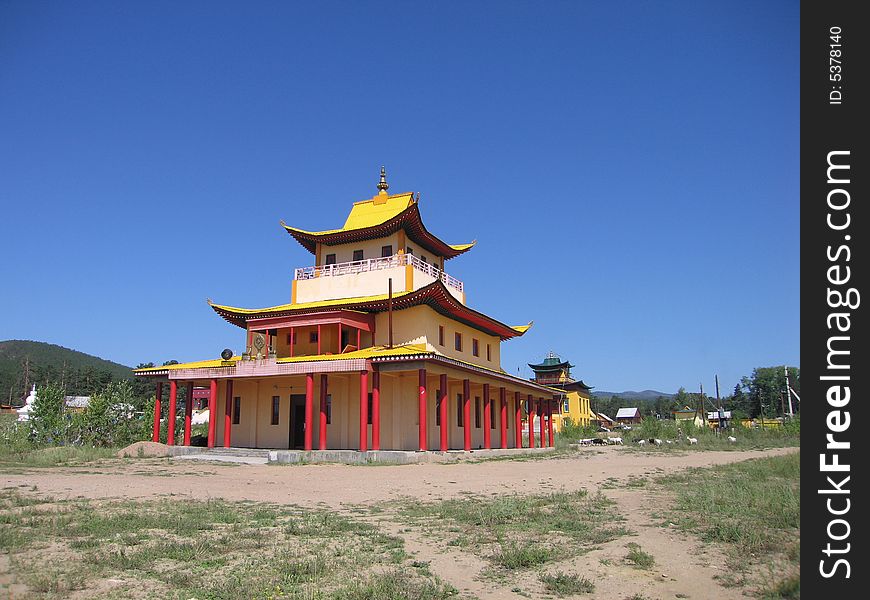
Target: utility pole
[[788, 391]]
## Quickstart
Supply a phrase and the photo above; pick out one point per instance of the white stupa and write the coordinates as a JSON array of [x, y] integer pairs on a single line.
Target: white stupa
[[24, 411]]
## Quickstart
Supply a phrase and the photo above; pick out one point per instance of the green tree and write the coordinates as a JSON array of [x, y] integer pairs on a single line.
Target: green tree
[[47, 422]]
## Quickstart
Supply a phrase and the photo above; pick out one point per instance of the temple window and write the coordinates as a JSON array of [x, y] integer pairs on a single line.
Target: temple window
[[386, 251], [441, 335], [276, 409], [312, 337], [237, 409], [475, 347], [330, 259], [457, 341], [488, 352], [357, 255]]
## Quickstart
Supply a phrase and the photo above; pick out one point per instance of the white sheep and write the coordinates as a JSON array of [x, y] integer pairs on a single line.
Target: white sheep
[[668, 442], [641, 442], [657, 441], [732, 439], [614, 440], [692, 440]]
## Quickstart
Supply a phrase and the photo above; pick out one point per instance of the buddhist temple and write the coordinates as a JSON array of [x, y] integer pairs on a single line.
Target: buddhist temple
[[377, 349], [573, 402]]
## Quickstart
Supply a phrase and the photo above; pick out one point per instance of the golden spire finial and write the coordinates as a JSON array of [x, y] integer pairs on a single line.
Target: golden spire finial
[[383, 185]]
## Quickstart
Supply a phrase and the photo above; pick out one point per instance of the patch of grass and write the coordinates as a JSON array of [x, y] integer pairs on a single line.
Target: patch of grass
[[35, 457], [479, 523], [638, 558], [515, 556], [566, 584], [214, 549], [789, 588]]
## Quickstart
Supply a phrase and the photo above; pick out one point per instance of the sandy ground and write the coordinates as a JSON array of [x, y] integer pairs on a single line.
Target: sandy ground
[[685, 567]]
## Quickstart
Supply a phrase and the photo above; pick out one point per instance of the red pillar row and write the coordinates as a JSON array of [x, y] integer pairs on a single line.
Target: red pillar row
[[228, 414], [518, 421], [540, 412], [466, 414], [212, 412], [487, 418], [158, 396], [421, 409], [443, 413], [170, 418], [376, 410], [309, 407], [502, 399], [323, 392], [530, 410], [188, 413], [363, 410]]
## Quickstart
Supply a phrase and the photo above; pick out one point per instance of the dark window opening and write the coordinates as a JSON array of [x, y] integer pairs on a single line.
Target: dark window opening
[[370, 409], [441, 335], [330, 259], [409, 250], [459, 411], [386, 251], [475, 347], [488, 352], [457, 341], [492, 406], [276, 409], [312, 337], [237, 409], [357, 255], [438, 400], [477, 412]]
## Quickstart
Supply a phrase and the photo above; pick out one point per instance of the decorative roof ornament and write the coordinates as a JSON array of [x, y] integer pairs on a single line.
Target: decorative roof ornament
[[382, 184]]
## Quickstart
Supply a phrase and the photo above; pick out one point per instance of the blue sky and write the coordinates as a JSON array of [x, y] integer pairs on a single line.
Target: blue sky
[[629, 169]]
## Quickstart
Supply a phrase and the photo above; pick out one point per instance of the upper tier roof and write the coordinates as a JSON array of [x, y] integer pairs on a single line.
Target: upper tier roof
[[434, 295], [379, 217]]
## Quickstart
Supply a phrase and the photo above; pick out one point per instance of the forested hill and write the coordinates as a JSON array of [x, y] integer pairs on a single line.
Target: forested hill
[[24, 362]]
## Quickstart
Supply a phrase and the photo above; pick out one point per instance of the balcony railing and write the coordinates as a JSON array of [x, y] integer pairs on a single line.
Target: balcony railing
[[378, 264]]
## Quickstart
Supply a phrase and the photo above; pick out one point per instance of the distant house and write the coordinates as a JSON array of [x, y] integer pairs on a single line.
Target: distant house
[[688, 414], [76, 403], [628, 416], [714, 416], [602, 420]]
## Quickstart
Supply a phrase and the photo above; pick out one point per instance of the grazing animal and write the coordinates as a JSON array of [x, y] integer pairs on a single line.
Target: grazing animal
[[692, 440], [657, 442], [586, 442], [668, 442], [641, 442], [614, 440], [732, 439], [598, 441]]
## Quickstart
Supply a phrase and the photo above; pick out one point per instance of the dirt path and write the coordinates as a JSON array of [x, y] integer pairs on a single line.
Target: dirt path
[[685, 568]]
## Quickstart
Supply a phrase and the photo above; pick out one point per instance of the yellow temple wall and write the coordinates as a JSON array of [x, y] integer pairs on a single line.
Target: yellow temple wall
[[419, 325], [370, 248]]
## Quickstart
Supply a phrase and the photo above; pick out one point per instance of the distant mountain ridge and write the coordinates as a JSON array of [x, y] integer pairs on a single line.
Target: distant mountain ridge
[[44, 357], [645, 395]]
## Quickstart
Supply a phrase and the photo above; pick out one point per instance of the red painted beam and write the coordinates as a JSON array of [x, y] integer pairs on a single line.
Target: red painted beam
[[158, 396], [421, 409], [502, 400], [212, 412], [188, 413], [324, 382], [466, 414], [376, 409], [487, 416], [531, 413], [228, 414], [170, 418], [363, 410], [444, 414], [309, 406], [518, 421]]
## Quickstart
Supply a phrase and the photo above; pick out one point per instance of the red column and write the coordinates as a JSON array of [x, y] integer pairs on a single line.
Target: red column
[[550, 422], [363, 410], [170, 418], [309, 407], [358, 339], [444, 414], [158, 395], [318, 339], [268, 341], [466, 413], [531, 414], [502, 399], [487, 416], [228, 414], [421, 408], [518, 421], [323, 392], [540, 412], [188, 412], [212, 412], [376, 410], [339, 339]]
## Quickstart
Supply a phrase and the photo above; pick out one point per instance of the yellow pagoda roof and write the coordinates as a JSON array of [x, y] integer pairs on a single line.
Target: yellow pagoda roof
[[377, 217]]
